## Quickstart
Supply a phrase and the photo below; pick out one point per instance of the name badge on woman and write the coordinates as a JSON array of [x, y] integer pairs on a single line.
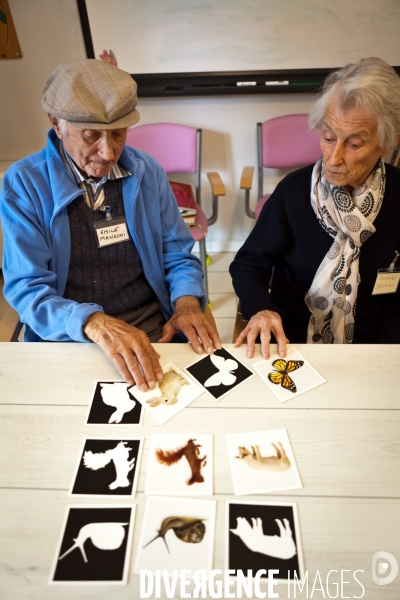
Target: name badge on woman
[[387, 280], [111, 231]]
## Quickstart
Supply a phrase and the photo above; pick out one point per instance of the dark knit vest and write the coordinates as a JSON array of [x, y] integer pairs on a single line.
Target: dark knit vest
[[111, 276]]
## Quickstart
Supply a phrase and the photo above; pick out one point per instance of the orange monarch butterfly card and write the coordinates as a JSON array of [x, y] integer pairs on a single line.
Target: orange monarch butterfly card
[[290, 376]]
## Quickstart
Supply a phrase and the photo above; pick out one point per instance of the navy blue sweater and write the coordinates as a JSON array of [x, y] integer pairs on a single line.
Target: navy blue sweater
[[287, 236]]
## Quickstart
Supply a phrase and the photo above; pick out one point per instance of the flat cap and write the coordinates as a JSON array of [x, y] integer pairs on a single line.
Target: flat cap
[[91, 94]]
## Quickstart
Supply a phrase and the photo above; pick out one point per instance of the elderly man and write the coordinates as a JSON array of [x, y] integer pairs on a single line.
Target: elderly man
[[331, 230], [94, 246]]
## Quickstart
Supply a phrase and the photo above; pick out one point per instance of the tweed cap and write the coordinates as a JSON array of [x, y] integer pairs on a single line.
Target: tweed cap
[[91, 94]]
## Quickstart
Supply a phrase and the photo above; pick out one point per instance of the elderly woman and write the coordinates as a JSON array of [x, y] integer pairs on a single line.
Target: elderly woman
[[330, 227]]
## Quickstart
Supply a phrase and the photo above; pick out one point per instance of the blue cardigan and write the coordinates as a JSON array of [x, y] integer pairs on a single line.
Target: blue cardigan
[[33, 207]]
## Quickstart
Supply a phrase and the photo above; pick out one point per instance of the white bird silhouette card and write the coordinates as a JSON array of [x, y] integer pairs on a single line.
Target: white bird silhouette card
[[262, 462], [180, 464], [290, 376], [95, 545], [108, 467], [264, 536], [113, 404], [177, 533], [219, 373], [171, 395]]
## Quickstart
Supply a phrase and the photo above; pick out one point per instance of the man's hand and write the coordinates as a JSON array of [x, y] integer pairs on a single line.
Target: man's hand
[[263, 323], [190, 319], [129, 349]]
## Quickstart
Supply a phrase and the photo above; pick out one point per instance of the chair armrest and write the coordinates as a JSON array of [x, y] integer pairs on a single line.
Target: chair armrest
[[247, 178], [10, 326], [217, 186]]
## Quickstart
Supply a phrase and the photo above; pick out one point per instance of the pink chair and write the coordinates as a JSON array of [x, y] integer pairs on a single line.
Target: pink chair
[[178, 149], [283, 142]]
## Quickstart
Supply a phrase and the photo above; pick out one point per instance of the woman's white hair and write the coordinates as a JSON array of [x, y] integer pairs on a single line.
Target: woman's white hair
[[371, 85]]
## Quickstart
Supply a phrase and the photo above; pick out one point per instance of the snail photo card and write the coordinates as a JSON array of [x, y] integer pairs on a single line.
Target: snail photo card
[[262, 462], [219, 373], [290, 376], [263, 535], [180, 464], [108, 467], [95, 545], [177, 533], [171, 395], [113, 404]]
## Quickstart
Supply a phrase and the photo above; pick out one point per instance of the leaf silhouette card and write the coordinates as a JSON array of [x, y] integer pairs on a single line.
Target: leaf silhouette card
[[264, 536], [113, 404], [170, 396], [108, 467], [262, 462], [95, 545], [180, 464], [219, 373], [288, 377], [177, 533]]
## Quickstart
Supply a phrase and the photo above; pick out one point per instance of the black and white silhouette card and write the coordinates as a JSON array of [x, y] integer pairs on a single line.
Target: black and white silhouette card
[[264, 536], [219, 373], [108, 467], [113, 404], [95, 545]]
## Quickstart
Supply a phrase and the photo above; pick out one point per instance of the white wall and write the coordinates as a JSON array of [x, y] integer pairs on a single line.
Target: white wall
[[49, 33]]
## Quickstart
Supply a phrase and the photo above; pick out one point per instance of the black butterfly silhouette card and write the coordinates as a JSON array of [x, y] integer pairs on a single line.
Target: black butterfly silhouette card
[[170, 396], [264, 536], [262, 462], [95, 545], [177, 533], [219, 373], [290, 376], [180, 464], [113, 404], [107, 467]]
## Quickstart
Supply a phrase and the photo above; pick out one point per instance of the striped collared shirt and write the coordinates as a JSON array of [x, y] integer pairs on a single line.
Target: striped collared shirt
[[94, 194]]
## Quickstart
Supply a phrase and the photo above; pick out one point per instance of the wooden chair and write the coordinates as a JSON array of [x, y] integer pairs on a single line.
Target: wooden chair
[[10, 326]]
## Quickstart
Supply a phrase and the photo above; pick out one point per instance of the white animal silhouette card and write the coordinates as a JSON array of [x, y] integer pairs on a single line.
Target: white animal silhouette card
[[171, 395], [266, 536], [177, 533], [290, 376], [113, 404], [219, 373], [262, 462], [108, 467], [95, 545], [180, 464]]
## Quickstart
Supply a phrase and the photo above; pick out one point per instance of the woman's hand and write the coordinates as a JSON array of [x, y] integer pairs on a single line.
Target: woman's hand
[[262, 324]]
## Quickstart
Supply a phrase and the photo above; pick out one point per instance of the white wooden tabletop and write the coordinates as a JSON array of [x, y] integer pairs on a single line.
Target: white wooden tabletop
[[345, 436]]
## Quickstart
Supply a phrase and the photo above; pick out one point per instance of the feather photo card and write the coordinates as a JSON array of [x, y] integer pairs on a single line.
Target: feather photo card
[[219, 373], [180, 464], [172, 394], [262, 462], [288, 377]]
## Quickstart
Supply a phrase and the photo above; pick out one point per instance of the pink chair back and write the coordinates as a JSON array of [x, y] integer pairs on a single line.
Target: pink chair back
[[173, 146], [288, 142]]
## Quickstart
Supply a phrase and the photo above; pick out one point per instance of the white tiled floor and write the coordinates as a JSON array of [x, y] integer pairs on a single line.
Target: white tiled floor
[[222, 296]]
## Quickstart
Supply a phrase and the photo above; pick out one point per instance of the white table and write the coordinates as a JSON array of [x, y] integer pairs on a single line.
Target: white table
[[345, 437]]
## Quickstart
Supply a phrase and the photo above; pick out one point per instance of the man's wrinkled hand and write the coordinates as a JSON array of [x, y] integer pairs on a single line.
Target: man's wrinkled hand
[[194, 324], [129, 349], [262, 324]]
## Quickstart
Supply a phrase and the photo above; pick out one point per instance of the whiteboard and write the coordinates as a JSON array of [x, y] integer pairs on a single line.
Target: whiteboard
[[190, 36]]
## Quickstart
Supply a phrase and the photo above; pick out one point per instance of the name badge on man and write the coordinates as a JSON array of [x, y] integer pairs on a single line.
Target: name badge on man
[[111, 232]]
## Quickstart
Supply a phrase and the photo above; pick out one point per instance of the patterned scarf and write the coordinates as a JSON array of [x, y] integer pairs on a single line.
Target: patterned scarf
[[347, 217]]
